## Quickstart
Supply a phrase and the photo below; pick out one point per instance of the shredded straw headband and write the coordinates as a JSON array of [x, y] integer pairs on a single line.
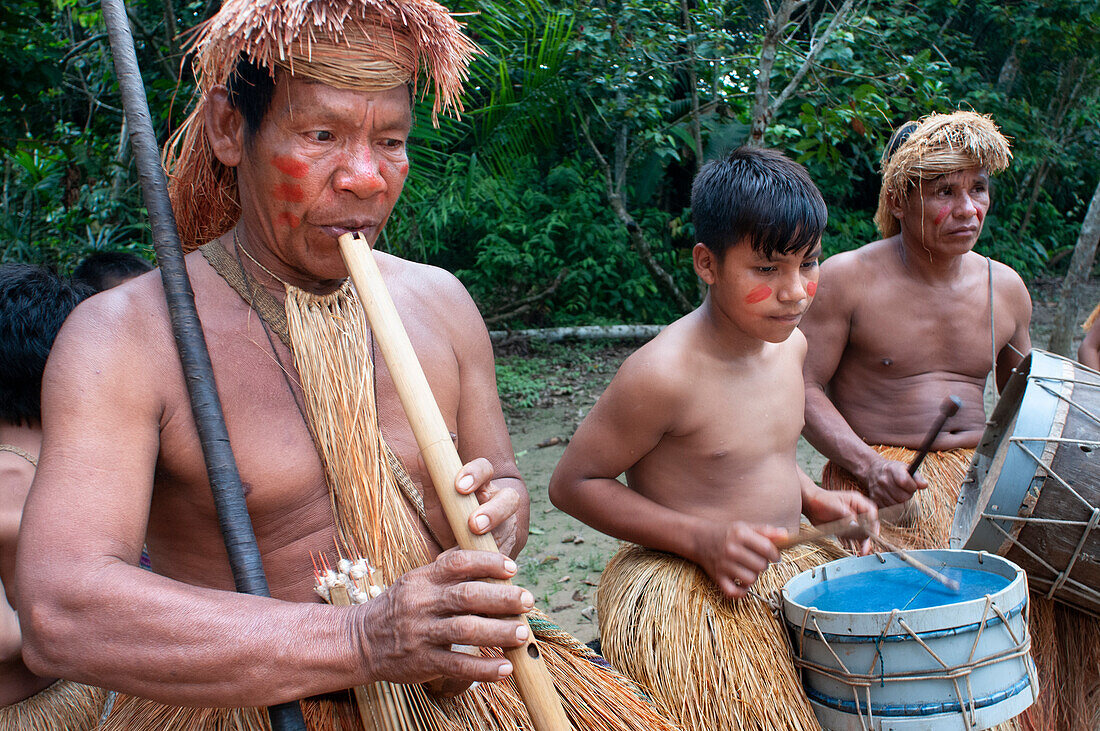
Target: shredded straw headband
[[936, 145], [368, 45]]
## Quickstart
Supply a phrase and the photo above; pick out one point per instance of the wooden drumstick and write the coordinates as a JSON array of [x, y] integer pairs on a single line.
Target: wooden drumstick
[[852, 526], [918, 565], [434, 438], [948, 408]]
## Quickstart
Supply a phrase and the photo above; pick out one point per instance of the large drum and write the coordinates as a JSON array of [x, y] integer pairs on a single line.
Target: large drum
[[881, 646], [1033, 491]]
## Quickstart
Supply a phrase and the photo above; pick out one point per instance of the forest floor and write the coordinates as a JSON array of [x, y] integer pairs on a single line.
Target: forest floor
[[546, 391]]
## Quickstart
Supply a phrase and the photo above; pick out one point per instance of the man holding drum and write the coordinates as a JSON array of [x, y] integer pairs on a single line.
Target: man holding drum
[[300, 136], [903, 322]]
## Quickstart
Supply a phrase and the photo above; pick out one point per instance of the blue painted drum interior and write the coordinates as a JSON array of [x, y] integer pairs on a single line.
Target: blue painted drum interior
[[899, 587]]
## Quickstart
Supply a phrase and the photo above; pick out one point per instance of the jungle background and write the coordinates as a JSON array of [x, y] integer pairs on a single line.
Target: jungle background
[[561, 197]]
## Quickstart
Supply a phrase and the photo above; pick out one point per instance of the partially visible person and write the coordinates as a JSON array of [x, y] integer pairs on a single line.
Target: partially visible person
[[1089, 352], [33, 303], [704, 421], [105, 269], [905, 321]]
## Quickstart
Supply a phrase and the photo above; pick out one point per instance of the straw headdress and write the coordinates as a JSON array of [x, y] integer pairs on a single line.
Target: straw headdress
[[369, 45], [936, 145]]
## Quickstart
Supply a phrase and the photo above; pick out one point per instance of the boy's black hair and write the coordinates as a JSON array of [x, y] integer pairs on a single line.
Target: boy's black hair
[[759, 196], [34, 301], [105, 269], [251, 89]]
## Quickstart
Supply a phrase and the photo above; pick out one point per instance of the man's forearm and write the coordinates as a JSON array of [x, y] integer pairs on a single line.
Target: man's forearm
[[829, 433], [129, 630]]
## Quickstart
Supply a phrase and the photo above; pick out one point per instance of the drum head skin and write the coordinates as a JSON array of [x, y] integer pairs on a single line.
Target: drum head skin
[[1034, 483], [879, 644]]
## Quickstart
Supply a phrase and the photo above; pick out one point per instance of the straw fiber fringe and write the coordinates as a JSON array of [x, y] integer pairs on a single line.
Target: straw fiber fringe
[[331, 347], [941, 144], [1091, 320], [357, 44], [709, 663], [64, 706], [927, 524], [323, 713], [332, 352]]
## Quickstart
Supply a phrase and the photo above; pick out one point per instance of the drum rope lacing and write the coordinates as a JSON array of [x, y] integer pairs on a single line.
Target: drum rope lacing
[[1060, 577], [864, 681]]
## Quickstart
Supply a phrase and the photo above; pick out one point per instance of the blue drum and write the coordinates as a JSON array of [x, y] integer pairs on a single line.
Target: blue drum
[[881, 646], [1033, 491]]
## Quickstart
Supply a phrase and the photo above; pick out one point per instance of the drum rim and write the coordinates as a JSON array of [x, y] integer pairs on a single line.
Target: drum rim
[[969, 530], [1013, 594]]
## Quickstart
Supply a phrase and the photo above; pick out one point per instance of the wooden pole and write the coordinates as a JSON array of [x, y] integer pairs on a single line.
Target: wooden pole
[[221, 467], [439, 453]]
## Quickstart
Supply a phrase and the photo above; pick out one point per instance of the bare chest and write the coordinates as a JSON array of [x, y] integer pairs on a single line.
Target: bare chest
[[920, 332], [279, 464]]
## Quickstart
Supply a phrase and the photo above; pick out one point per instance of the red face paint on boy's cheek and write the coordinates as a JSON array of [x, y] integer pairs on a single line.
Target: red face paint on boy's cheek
[[290, 166], [288, 192], [758, 294], [941, 216], [288, 219], [811, 288]]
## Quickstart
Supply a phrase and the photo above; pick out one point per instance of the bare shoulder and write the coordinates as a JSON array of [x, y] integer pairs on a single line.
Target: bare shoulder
[[122, 333], [844, 276], [662, 368], [1008, 283], [438, 294]]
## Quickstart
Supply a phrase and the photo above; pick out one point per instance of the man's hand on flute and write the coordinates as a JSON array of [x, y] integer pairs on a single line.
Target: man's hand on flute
[[406, 633], [500, 510]]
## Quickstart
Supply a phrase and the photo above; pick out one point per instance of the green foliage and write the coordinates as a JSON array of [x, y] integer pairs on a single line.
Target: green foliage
[[514, 197]]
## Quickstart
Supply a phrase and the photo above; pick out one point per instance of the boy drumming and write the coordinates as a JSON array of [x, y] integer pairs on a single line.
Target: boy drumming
[[704, 421]]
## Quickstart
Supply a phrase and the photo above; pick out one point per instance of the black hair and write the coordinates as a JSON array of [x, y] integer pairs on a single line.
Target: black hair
[[760, 196], [901, 134], [251, 89], [34, 301], [105, 269]]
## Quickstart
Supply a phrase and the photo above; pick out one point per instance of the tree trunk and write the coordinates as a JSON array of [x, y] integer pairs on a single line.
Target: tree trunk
[[768, 49], [1084, 252], [170, 33], [122, 160], [584, 332], [1011, 66], [616, 197], [638, 240], [763, 111], [693, 81]]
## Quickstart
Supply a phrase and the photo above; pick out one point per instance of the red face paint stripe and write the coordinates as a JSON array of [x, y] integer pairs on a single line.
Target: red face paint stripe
[[811, 288], [758, 294], [290, 166], [288, 219], [288, 192], [941, 216]]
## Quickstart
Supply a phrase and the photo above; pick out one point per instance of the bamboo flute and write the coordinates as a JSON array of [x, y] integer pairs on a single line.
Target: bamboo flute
[[441, 457]]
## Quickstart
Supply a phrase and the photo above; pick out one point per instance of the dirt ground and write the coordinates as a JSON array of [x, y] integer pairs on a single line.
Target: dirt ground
[[562, 562]]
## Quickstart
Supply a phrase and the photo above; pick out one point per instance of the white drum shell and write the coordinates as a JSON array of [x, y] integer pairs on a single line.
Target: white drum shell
[[866, 642]]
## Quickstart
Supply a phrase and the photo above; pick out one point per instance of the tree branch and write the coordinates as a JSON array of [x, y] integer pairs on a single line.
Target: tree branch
[[527, 303]]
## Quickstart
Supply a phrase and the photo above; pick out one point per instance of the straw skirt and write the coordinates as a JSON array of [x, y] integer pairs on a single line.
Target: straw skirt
[[927, 523], [709, 663], [64, 706]]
